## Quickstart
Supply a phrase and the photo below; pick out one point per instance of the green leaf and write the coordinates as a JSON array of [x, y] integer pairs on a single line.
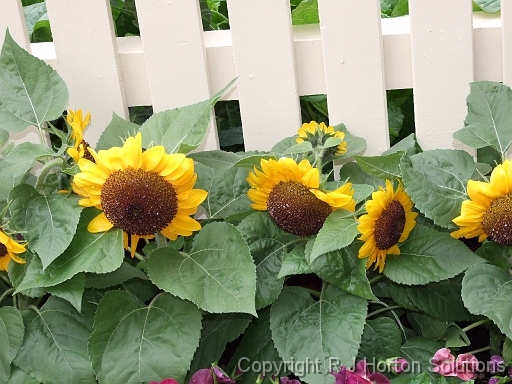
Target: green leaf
[[162, 338], [355, 145], [381, 340], [486, 290], [419, 351], [489, 6], [401, 9], [33, 13], [268, 244], [119, 276], [345, 270], [70, 290], [180, 129], [427, 256], [306, 13], [303, 147], [427, 326], [254, 160], [31, 92], [257, 346], [11, 325], [332, 142], [116, 133], [436, 182], [20, 377], [383, 167], [496, 254], [55, 344], [295, 262], [216, 159], [20, 197], [51, 223], [88, 252], [329, 329], [408, 144], [4, 137], [337, 232], [354, 173], [227, 190], [218, 273], [5, 365], [20, 159], [218, 330], [17, 273], [489, 117]]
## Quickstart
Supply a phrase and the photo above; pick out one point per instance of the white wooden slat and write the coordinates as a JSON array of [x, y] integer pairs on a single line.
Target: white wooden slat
[[397, 52], [354, 71], [506, 33], [12, 17], [442, 68], [264, 60], [172, 38], [487, 47], [86, 48]]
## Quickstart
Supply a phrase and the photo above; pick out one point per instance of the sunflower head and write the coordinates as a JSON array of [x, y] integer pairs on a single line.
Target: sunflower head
[[140, 192], [388, 221], [289, 192], [317, 135], [78, 125], [488, 212], [9, 250]]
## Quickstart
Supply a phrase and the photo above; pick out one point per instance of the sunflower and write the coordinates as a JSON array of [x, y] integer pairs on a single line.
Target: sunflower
[[317, 134], [289, 192], [388, 221], [78, 126], [140, 192], [8, 250], [488, 213]]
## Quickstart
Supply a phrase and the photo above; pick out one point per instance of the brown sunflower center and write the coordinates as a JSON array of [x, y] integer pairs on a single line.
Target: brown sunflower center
[[295, 209], [87, 154], [138, 202], [3, 250], [497, 220], [389, 226]]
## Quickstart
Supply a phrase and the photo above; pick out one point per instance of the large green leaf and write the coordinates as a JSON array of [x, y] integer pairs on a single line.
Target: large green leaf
[[12, 331], [111, 279], [489, 6], [381, 339], [20, 377], [489, 117], [134, 343], [51, 223], [354, 173], [217, 274], [216, 159], [495, 254], [295, 262], [71, 290], [55, 344], [327, 330], [31, 92], [5, 364], [88, 252], [345, 270], [338, 231], [383, 167], [436, 182], [116, 133], [218, 330], [427, 256], [20, 159], [486, 290], [227, 190], [268, 244], [180, 129], [306, 13], [256, 353], [419, 352]]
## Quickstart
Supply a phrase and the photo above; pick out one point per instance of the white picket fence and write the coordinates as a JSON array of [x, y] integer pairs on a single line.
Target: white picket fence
[[353, 56]]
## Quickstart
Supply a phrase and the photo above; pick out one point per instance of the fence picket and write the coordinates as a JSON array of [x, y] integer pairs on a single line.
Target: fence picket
[[442, 68], [354, 72], [506, 33], [172, 38], [265, 64], [12, 17], [87, 55]]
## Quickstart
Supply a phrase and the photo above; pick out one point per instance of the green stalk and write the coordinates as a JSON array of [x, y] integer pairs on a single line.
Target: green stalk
[[475, 324], [6, 293], [45, 171]]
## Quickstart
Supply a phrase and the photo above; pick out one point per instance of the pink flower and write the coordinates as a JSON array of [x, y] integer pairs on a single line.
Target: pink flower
[[360, 375], [165, 381], [466, 366], [444, 362]]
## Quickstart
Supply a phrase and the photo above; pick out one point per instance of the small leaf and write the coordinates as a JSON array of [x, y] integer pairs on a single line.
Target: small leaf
[[489, 6], [436, 182], [161, 340], [496, 254], [383, 167], [295, 262], [303, 147], [355, 145], [227, 190], [55, 344], [306, 13], [381, 339], [31, 92], [354, 173], [218, 273], [119, 276], [489, 117], [216, 159], [427, 256], [419, 351], [19, 161], [486, 290], [329, 329], [70, 290], [116, 133], [408, 144], [337, 232], [332, 142], [12, 323]]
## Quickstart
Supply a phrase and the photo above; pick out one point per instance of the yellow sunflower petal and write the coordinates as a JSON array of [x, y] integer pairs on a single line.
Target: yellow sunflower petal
[[99, 224]]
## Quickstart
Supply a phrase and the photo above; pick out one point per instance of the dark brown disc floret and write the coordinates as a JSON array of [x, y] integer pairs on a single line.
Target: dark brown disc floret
[[497, 220], [87, 154], [138, 202], [389, 226], [3, 250], [295, 209]]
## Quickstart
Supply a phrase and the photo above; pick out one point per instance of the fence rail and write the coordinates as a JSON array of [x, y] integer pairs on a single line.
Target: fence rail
[[353, 56]]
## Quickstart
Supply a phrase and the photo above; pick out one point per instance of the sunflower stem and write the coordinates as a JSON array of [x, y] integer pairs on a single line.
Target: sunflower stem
[[138, 256], [376, 279], [475, 324], [483, 349], [161, 240], [45, 171], [6, 293], [388, 308], [392, 310], [313, 293], [35, 309], [5, 279], [155, 299]]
